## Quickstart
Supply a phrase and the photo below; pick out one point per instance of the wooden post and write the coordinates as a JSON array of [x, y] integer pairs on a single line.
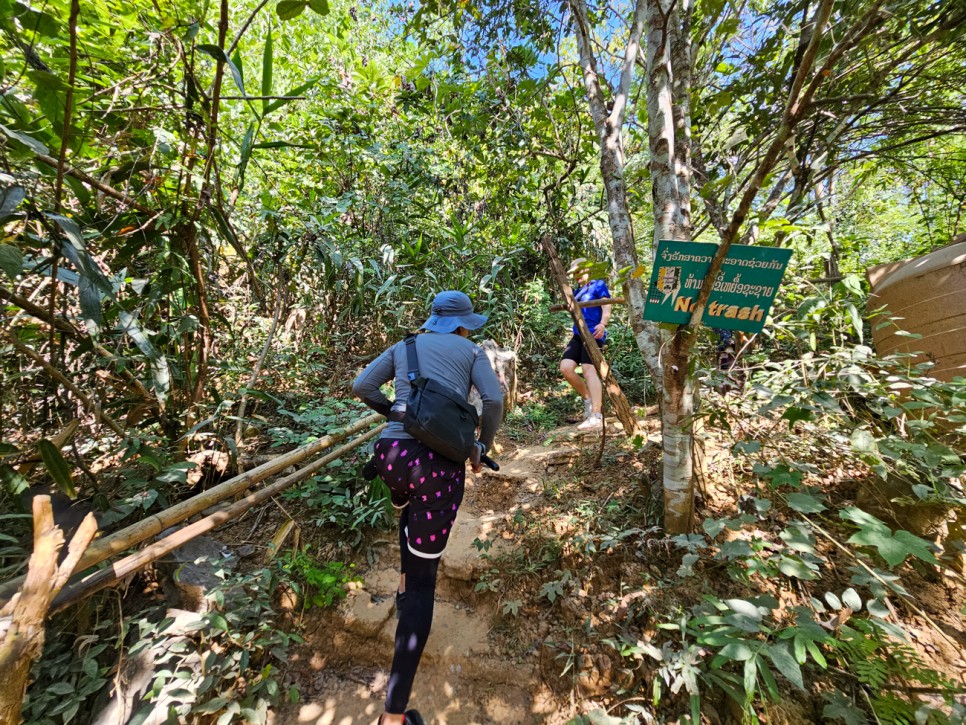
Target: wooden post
[[23, 640], [621, 407]]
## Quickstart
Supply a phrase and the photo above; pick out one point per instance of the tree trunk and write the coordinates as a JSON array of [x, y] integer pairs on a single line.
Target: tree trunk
[[608, 126], [677, 417], [669, 129]]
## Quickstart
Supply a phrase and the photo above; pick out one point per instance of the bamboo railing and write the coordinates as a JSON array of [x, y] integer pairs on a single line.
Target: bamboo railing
[[102, 549]]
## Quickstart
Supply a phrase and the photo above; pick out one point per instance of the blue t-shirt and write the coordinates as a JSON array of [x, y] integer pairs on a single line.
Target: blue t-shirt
[[596, 289]]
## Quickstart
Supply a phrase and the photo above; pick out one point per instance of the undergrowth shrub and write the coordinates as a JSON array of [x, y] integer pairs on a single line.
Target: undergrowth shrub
[[220, 666]]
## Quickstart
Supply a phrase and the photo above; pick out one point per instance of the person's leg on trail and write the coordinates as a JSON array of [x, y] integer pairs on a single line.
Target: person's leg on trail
[[391, 458], [434, 486], [568, 368], [594, 418], [404, 557]]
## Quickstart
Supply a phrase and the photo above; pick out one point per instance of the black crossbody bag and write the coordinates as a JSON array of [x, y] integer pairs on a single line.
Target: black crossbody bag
[[436, 415]]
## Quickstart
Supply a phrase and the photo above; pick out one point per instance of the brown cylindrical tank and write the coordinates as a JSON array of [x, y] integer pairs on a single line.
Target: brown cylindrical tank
[[925, 296]]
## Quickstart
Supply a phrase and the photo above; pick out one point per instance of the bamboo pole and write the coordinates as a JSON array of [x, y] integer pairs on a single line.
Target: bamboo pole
[[73, 593], [142, 530], [590, 303], [621, 407]]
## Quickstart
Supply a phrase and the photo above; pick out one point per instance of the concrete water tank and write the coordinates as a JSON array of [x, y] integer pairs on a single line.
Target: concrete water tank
[[927, 297]]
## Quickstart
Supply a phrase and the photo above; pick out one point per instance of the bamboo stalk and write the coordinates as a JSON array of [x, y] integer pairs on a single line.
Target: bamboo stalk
[[73, 593], [136, 533]]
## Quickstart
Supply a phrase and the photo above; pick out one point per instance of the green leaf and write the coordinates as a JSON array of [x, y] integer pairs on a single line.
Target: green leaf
[[267, 62], [10, 199], [781, 655], [799, 539], [297, 91], [840, 707], [56, 466], [863, 442], [236, 59], [856, 320], [320, 6], [28, 141], [159, 365], [893, 548], [794, 567], [288, 9], [217, 621], [12, 480], [793, 415], [222, 57], [737, 651], [805, 503], [11, 260], [852, 600]]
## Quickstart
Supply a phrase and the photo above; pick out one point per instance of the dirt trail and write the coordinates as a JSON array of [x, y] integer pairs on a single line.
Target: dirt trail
[[465, 677]]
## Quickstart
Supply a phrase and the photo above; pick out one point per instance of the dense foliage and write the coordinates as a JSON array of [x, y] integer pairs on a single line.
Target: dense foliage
[[190, 191]]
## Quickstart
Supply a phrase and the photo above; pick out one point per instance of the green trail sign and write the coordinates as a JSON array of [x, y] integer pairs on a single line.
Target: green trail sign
[[742, 294]]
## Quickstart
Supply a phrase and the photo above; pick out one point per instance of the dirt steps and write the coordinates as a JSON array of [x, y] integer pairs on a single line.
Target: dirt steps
[[464, 678]]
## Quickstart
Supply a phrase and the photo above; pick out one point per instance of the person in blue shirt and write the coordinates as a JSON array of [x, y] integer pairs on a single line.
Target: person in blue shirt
[[589, 386]]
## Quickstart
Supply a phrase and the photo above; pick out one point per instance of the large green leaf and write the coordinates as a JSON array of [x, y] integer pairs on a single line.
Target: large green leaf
[[220, 55], [291, 95], [288, 9], [10, 199], [320, 6], [28, 141], [160, 373], [56, 466], [11, 260], [780, 654], [12, 480], [805, 503], [892, 547]]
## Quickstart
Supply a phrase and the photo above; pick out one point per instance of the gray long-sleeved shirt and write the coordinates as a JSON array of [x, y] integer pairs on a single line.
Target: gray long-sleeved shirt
[[447, 358]]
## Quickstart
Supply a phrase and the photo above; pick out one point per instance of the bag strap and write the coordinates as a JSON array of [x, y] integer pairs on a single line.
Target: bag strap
[[411, 358]]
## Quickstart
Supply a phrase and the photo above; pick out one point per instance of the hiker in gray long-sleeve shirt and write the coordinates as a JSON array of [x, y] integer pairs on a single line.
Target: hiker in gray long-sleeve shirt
[[427, 487]]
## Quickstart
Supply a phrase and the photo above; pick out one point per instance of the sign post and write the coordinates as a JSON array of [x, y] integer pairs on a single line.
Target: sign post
[[741, 297]]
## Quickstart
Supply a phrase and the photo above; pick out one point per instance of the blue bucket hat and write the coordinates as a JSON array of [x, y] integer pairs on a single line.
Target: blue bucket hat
[[452, 309]]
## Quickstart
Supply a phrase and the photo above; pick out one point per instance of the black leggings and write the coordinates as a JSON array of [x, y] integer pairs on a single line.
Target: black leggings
[[415, 620]]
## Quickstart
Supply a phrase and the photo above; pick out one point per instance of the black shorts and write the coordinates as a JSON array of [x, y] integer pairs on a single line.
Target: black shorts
[[432, 487], [577, 352]]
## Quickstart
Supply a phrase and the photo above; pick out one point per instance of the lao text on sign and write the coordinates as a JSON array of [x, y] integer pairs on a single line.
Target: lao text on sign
[[742, 294]]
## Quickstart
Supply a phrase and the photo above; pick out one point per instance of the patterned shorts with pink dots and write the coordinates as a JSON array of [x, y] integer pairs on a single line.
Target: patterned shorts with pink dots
[[432, 486]]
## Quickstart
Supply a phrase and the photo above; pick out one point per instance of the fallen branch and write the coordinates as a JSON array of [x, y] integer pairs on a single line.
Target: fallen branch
[[132, 563]]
